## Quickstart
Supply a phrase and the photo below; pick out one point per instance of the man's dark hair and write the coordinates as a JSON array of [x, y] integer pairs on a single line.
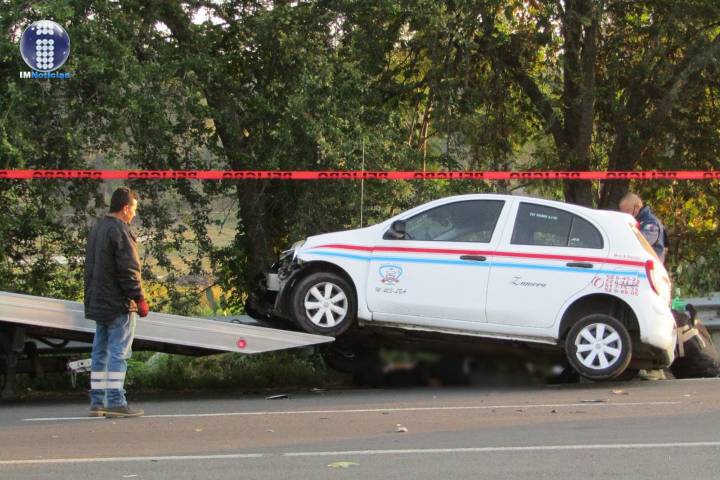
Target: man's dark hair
[[121, 197]]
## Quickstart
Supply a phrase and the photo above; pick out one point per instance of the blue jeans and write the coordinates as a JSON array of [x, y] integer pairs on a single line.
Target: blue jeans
[[110, 352]]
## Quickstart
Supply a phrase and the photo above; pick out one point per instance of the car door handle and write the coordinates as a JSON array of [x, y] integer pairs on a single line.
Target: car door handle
[[474, 258], [579, 264]]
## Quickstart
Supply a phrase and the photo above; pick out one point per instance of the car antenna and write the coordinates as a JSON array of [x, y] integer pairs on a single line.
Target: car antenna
[[362, 183]]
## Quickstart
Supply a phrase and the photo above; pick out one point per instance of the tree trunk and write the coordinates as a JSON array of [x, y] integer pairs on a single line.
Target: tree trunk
[[256, 222], [621, 158], [572, 130], [580, 28]]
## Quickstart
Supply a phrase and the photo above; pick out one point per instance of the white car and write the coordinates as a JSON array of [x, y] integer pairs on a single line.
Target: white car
[[517, 269]]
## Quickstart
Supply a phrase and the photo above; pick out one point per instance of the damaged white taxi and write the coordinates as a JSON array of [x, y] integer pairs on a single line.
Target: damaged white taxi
[[483, 267]]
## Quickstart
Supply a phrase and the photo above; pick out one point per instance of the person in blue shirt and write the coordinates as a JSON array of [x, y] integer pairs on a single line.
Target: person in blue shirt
[[650, 226]]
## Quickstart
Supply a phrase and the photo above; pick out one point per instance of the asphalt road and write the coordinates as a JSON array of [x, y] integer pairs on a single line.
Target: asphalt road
[[639, 430]]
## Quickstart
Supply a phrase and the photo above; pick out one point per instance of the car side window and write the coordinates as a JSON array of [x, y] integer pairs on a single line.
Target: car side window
[[584, 235], [552, 227], [465, 221]]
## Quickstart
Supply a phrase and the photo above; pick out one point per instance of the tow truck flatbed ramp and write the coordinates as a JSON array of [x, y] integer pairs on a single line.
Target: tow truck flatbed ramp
[[63, 319]]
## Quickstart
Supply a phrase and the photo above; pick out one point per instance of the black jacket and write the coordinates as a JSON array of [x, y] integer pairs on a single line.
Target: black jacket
[[112, 270]]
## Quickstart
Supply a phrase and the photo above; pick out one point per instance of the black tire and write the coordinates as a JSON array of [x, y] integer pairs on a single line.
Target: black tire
[[365, 365], [336, 304], [605, 359], [340, 360]]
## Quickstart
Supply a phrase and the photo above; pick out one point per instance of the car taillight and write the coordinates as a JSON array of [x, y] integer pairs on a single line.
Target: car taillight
[[650, 272]]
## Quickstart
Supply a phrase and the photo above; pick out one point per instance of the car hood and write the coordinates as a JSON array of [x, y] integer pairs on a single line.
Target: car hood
[[359, 236]]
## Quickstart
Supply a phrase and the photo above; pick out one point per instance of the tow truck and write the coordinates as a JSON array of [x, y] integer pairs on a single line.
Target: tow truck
[[33, 330]]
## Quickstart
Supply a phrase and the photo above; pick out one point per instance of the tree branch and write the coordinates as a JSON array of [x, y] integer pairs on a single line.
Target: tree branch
[[698, 62], [542, 103]]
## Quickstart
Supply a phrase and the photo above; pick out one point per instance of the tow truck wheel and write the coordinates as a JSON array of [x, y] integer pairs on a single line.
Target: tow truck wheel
[[598, 347], [324, 303]]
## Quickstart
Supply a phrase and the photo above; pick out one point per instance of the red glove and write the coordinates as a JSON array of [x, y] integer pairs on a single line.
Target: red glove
[[143, 308]]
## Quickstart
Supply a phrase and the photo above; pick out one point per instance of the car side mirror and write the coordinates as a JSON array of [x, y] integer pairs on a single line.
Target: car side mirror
[[396, 232]]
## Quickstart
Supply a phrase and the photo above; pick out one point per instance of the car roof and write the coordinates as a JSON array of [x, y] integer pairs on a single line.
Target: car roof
[[501, 196], [611, 215], [599, 215]]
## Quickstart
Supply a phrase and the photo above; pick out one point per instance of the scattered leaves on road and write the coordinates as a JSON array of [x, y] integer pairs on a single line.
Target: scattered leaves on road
[[343, 465], [281, 396]]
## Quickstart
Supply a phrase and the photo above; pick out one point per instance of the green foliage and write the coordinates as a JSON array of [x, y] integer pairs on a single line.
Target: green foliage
[[690, 214], [147, 371], [388, 85], [231, 372]]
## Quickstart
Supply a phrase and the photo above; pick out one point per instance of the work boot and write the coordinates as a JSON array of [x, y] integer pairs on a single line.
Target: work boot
[[98, 411], [652, 375], [123, 411]]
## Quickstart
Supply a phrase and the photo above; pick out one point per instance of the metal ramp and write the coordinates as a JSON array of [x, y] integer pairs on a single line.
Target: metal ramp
[[25, 317]]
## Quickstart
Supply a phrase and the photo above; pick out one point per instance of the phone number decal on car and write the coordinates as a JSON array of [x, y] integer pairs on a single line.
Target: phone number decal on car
[[618, 284]]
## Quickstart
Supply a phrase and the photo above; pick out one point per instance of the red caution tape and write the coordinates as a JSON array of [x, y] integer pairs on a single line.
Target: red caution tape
[[353, 175]]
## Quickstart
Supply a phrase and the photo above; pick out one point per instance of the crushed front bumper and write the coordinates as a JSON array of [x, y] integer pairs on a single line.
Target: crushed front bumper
[[269, 299]]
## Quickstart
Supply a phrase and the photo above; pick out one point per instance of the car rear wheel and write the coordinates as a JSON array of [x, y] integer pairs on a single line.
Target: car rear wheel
[[324, 303], [598, 347]]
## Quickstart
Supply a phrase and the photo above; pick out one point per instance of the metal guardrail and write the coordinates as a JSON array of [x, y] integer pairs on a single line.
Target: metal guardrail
[[708, 310]]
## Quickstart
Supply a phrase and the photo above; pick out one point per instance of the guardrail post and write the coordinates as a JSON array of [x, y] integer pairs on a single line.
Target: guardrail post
[[12, 343]]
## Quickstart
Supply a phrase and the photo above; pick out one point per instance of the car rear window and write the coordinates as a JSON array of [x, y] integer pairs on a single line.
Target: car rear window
[[552, 227], [643, 241]]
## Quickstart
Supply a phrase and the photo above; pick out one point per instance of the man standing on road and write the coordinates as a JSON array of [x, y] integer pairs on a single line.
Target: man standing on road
[[113, 298], [651, 228]]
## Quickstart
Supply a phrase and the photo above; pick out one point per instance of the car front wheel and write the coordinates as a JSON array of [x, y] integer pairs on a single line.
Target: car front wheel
[[599, 347], [324, 303]]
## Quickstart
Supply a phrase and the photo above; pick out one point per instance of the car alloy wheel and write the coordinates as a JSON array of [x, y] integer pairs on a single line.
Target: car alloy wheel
[[326, 305], [599, 347]]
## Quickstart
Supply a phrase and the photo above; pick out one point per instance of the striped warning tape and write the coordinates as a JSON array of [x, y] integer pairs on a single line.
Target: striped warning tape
[[356, 175]]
